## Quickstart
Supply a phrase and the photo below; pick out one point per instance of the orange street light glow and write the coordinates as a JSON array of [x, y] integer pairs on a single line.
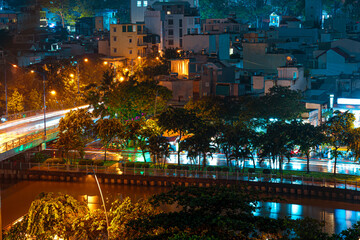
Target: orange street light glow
[[71, 75], [53, 92], [14, 65], [105, 63], [86, 60], [121, 79]]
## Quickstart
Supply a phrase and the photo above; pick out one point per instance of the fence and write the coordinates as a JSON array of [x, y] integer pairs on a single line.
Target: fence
[[154, 172]]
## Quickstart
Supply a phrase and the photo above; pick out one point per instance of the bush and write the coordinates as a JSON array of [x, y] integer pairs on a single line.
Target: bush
[[98, 162], [130, 164], [146, 165], [178, 167], [218, 169], [171, 166], [266, 171], [251, 170], [225, 169], [210, 168], [138, 165], [185, 167], [40, 157], [85, 162], [54, 161]]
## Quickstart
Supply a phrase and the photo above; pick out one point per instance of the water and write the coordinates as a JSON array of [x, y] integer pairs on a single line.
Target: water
[[17, 197]]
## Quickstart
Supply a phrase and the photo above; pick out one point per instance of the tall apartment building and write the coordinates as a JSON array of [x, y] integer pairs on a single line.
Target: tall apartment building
[[171, 21], [138, 7], [127, 40]]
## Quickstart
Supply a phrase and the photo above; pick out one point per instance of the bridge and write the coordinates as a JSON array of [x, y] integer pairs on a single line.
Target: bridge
[[23, 134]]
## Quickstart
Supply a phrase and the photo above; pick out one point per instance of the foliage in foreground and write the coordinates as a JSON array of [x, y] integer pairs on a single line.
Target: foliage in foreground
[[200, 213]]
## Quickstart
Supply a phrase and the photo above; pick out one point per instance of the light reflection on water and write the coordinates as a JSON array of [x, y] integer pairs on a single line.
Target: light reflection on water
[[336, 220], [17, 198]]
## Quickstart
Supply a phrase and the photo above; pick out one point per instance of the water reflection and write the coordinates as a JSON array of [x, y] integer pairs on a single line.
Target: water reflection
[[17, 198]]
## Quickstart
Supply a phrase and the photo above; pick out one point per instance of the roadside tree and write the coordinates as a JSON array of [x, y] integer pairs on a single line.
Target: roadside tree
[[338, 129], [75, 131]]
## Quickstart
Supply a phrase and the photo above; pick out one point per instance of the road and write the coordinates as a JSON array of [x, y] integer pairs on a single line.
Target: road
[[218, 159], [14, 129]]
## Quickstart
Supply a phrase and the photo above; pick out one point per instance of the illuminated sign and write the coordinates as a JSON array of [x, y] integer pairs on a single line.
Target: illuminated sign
[[350, 101]]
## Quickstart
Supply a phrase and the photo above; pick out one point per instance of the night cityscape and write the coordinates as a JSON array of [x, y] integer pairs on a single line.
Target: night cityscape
[[180, 119]]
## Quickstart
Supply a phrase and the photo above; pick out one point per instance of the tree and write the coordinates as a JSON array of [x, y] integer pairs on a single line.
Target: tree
[[75, 131], [179, 121], [127, 100], [277, 142], [238, 142], [307, 137], [53, 214], [16, 102], [280, 103], [338, 129], [34, 101], [123, 213], [91, 226], [160, 148], [109, 131], [200, 142], [354, 143]]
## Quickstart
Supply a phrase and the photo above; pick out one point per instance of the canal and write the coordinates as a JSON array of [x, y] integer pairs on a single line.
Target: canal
[[17, 197]]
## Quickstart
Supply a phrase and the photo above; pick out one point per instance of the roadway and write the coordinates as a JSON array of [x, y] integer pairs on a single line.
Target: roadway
[[18, 128], [218, 159]]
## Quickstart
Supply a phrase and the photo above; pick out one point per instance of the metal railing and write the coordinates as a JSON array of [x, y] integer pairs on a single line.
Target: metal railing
[[26, 139], [156, 172]]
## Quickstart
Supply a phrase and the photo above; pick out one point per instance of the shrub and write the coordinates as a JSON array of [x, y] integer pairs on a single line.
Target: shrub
[[40, 157], [218, 169], [85, 162], [178, 167], [171, 166], [130, 164], [185, 167], [251, 170], [266, 171], [210, 168], [138, 165], [146, 165], [98, 162], [54, 161], [225, 169]]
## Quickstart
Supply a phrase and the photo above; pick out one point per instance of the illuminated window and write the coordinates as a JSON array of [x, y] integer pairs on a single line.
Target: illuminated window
[[294, 75], [145, 3], [138, 3]]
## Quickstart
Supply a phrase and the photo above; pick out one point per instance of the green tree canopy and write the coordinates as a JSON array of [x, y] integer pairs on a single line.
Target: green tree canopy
[[338, 129], [75, 131]]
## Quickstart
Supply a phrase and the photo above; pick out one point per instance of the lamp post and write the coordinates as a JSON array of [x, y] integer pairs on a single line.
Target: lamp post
[[44, 99]]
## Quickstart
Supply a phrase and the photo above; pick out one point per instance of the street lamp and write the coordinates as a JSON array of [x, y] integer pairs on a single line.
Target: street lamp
[[44, 96]]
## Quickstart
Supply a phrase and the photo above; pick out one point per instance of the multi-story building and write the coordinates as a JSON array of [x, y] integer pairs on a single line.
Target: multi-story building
[[138, 7], [224, 25], [127, 40], [171, 21], [8, 20]]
